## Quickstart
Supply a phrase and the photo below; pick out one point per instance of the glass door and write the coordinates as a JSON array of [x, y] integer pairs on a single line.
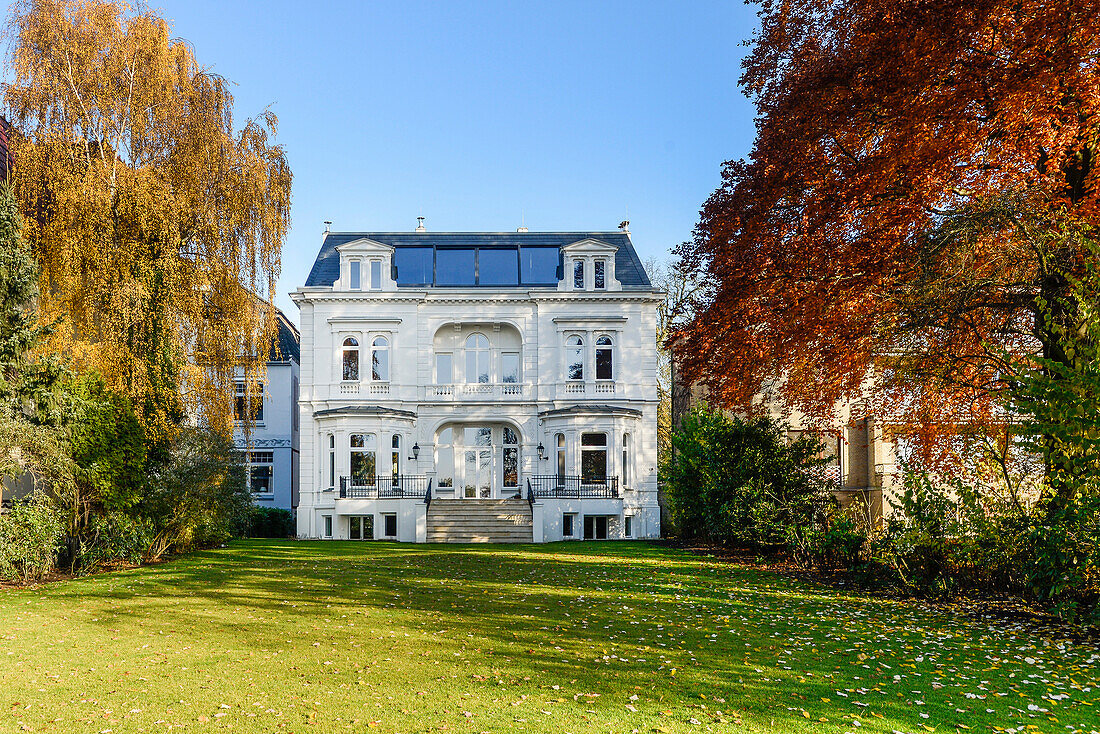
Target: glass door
[[478, 464]]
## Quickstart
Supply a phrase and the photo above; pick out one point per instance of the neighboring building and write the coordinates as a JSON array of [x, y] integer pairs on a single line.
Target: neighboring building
[[270, 448], [862, 452], [478, 386]]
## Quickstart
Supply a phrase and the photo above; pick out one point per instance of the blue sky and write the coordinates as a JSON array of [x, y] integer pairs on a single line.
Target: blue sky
[[565, 115]]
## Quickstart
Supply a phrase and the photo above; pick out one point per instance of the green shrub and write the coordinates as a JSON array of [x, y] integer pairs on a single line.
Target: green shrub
[[30, 537], [115, 537], [270, 522], [199, 497], [741, 483]]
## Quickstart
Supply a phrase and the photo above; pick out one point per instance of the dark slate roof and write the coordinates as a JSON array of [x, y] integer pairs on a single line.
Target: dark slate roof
[[286, 345], [628, 268]]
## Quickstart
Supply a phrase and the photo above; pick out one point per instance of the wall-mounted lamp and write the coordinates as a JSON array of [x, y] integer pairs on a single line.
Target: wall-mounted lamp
[[416, 451], [542, 452]]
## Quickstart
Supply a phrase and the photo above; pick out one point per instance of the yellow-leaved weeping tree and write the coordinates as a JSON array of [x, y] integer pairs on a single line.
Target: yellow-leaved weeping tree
[[158, 224]]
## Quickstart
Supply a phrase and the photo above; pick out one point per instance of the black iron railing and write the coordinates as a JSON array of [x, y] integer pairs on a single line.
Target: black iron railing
[[384, 487], [553, 485]]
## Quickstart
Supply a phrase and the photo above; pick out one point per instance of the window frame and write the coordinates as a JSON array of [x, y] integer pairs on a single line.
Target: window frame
[[355, 274], [580, 278], [569, 525], [477, 352], [377, 349], [593, 448], [387, 517], [326, 526], [608, 347], [579, 351], [599, 274], [374, 274], [345, 352]]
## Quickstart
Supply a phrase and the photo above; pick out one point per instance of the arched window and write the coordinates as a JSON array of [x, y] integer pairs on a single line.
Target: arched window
[[477, 358], [380, 359], [626, 460], [351, 360], [574, 355], [510, 456], [395, 455], [604, 358]]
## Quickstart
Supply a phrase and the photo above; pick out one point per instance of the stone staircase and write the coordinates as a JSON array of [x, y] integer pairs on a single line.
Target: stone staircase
[[479, 521]]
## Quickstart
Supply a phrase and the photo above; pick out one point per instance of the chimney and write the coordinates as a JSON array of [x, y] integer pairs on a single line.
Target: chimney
[[522, 229], [328, 224], [625, 226], [420, 224]]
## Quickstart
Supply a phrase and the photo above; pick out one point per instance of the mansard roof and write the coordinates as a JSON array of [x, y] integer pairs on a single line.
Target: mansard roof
[[628, 268]]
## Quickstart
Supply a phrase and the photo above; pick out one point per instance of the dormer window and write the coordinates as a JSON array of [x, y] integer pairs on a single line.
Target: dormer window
[[578, 274], [599, 271], [354, 275], [375, 275]]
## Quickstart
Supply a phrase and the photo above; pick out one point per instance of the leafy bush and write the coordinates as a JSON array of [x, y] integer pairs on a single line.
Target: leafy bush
[[739, 482], [270, 522], [199, 497], [115, 537], [30, 535]]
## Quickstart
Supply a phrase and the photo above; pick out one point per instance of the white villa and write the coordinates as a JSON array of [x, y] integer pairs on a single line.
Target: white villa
[[478, 386]]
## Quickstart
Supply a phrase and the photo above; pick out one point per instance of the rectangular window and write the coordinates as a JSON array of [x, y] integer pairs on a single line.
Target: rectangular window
[[331, 462], [511, 466], [497, 267], [455, 267], [389, 521], [509, 367], [375, 275], [593, 457], [599, 275], [260, 471], [363, 460], [578, 274], [539, 265], [628, 529], [414, 265], [246, 401], [355, 276], [567, 524], [444, 369], [328, 525]]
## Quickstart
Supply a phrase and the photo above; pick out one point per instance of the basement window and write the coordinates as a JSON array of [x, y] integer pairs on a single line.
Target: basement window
[[389, 525]]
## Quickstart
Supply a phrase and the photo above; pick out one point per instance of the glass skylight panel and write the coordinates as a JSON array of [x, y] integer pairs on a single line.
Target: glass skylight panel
[[454, 267], [497, 267], [414, 265], [539, 265]]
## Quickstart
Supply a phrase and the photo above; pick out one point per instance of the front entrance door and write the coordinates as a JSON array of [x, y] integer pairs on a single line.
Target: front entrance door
[[478, 479]]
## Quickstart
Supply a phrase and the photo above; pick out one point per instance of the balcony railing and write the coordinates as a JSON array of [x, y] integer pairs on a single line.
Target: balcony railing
[[552, 485], [385, 487], [581, 388], [458, 392]]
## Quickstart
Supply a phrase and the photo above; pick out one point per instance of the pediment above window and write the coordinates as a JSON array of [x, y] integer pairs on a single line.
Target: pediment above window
[[589, 247], [365, 246]]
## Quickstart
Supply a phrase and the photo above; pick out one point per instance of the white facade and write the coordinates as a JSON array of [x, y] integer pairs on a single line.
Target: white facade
[[413, 367]]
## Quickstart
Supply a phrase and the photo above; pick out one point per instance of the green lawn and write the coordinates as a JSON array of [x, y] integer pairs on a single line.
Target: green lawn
[[318, 637]]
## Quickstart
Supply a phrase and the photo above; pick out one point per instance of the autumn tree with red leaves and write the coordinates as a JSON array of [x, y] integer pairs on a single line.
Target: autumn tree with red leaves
[[913, 210]]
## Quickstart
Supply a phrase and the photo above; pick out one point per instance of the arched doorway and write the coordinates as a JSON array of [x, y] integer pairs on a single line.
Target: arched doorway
[[478, 460]]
